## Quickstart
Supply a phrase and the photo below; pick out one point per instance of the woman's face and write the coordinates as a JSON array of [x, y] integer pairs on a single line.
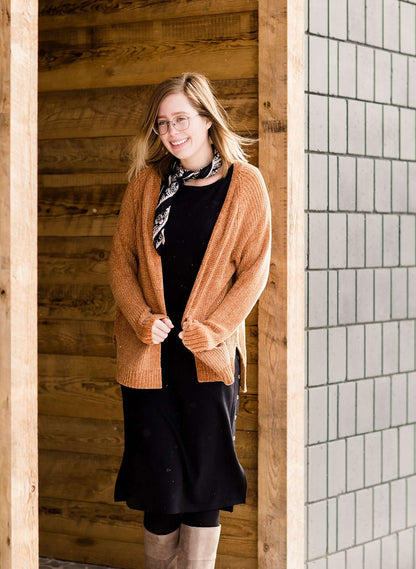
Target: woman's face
[[192, 145]]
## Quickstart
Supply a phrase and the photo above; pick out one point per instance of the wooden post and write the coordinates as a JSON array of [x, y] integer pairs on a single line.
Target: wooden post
[[281, 307], [18, 285]]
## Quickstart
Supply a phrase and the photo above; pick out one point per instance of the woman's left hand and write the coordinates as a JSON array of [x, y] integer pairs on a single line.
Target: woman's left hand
[[180, 334]]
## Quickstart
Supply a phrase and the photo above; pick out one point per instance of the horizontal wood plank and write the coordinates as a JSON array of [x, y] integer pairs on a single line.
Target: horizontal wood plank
[[158, 31], [80, 395], [91, 477], [83, 337], [65, 260], [79, 211], [98, 155], [72, 13], [85, 179], [84, 386], [117, 111], [95, 338], [222, 46], [79, 435], [75, 302], [116, 521], [81, 301], [101, 154], [75, 517], [86, 389]]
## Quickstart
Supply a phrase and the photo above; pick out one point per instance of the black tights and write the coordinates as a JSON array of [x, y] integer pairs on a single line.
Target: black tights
[[163, 524]]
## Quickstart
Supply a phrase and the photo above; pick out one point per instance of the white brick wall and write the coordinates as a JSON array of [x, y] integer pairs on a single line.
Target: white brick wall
[[361, 284]]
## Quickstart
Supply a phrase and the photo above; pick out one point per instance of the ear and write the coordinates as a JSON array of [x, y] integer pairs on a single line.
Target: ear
[[208, 123]]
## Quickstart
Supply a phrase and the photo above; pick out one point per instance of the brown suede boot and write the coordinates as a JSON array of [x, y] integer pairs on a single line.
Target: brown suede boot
[[198, 547], [160, 550]]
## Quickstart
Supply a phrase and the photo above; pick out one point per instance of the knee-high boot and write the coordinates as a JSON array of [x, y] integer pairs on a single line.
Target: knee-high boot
[[198, 547], [160, 551]]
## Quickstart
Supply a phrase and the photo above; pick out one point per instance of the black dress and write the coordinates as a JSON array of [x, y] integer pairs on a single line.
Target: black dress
[[179, 453]]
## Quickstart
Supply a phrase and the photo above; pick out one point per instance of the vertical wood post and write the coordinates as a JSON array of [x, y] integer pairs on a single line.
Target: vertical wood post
[[18, 285], [281, 307]]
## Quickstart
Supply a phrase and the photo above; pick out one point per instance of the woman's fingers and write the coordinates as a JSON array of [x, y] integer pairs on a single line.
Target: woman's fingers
[[161, 329], [168, 322]]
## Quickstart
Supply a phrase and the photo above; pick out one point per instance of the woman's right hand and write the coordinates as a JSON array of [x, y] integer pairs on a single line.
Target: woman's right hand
[[161, 329]]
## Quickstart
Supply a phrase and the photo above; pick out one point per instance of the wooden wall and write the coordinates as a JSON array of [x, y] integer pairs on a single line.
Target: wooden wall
[[98, 62], [18, 285], [281, 319]]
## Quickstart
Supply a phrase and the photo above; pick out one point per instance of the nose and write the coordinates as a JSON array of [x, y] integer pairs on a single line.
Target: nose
[[171, 125]]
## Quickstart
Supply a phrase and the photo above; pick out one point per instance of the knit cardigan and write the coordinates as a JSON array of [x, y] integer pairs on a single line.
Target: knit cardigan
[[232, 275]]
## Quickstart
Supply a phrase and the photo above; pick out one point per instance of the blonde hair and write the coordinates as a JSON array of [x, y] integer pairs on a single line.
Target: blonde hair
[[146, 148]]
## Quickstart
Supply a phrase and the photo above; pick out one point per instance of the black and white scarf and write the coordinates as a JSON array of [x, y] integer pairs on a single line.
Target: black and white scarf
[[171, 183]]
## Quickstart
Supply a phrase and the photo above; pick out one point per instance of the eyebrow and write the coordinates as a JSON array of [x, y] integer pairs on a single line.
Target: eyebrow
[[178, 113]]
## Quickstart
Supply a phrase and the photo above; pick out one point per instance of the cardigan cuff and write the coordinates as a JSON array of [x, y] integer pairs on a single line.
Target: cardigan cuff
[[195, 336], [144, 332]]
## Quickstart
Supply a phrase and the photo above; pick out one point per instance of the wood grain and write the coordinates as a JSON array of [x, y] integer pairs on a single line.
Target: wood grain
[[106, 437], [117, 111], [80, 260], [98, 154], [222, 46], [117, 521], [100, 397], [91, 302], [95, 338], [95, 155], [79, 211], [75, 302], [90, 550], [18, 358], [72, 13], [98, 64], [91, 477], [84, 386], [281, 307]]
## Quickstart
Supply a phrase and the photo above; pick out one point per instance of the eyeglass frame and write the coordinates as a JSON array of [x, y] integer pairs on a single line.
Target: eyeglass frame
[[172, 122]]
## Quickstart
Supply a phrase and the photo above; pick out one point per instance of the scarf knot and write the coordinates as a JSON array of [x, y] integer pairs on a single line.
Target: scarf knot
[[175, 179]]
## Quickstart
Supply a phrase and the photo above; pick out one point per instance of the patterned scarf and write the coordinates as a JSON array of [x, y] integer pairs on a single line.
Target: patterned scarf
[[175, 179]]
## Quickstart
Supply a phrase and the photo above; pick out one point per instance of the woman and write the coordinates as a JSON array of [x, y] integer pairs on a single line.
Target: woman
[[190, 257]]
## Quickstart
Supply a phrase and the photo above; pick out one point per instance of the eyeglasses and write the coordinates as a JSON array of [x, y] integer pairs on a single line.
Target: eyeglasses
[[181, 122]]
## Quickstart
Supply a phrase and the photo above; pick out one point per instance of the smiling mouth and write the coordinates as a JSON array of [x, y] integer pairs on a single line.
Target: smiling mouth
[[179, 142]]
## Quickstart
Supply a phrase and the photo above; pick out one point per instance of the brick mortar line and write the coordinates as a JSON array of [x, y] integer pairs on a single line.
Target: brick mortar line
[[375, 431], [349, 324], [368, 156], [362, 545], [361, 44]]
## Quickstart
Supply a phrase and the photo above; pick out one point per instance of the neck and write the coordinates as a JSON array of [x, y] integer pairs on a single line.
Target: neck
[[204, 181], [199, 162]]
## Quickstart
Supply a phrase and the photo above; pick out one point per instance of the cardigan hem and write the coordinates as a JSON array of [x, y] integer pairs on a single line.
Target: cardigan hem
[[152, 379]]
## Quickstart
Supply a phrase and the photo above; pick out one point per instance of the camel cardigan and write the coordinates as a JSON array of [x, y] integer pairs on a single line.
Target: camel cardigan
[[232, 275]]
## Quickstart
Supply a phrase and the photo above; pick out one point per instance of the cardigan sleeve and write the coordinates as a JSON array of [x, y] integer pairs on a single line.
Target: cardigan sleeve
[[123, 268], [251, 278]]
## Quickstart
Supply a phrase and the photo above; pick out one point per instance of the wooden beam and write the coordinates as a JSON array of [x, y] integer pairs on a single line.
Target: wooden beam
[[281, 307], [18, 295]]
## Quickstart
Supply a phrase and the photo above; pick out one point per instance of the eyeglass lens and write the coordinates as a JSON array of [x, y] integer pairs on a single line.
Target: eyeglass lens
[[179, 123]]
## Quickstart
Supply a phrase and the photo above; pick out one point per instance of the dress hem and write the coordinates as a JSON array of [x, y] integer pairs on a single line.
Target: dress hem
[[229, 505]]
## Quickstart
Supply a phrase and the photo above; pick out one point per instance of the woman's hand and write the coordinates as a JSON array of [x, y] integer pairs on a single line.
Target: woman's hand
[[161, 329]]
